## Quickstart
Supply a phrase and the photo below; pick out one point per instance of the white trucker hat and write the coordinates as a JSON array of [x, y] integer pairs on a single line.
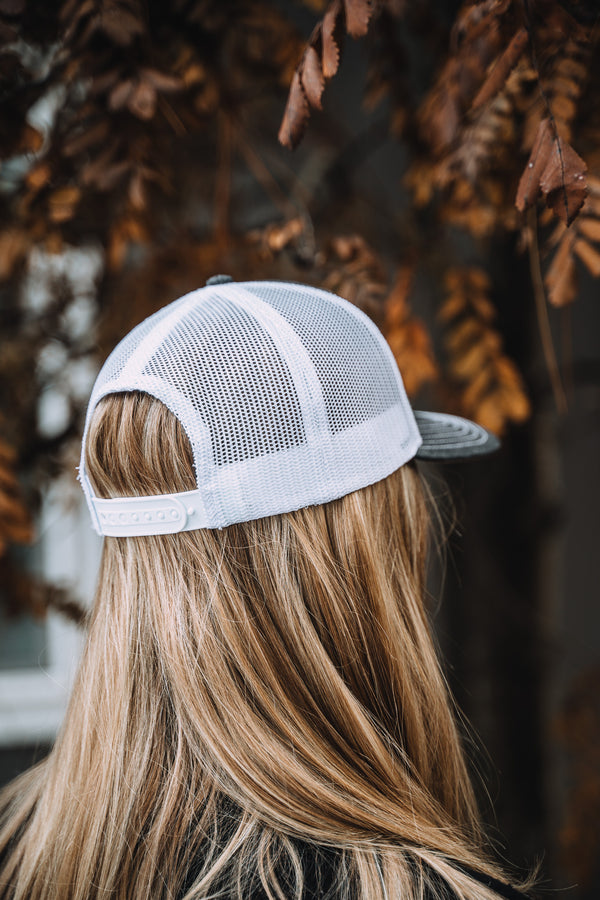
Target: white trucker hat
[[289, 395]]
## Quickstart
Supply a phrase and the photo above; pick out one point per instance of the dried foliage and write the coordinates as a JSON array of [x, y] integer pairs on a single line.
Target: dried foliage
[[555, 171], [139, 156], [496, 132], [319, 62], [488, 385], [15, 520], [356, 272], [576, 242], [407, 335], [138, 146], [479, 37]]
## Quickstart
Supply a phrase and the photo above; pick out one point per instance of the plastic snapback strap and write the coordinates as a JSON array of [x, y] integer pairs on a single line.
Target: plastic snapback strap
[[159, 514]]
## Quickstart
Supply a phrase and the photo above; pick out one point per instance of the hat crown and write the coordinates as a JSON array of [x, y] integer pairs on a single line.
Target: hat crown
[[288, 394]]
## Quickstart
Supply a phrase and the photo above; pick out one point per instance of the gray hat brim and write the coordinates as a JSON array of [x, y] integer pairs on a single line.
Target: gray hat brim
[[452, 437]]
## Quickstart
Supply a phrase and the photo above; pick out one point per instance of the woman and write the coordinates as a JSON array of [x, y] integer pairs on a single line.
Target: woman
[[259, 711]]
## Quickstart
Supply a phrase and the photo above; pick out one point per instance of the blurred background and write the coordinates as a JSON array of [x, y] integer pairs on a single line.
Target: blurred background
[[436, 163]]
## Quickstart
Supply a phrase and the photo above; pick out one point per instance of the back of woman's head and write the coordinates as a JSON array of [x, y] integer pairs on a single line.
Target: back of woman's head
[[259, 711], [295, 648], [250, 699]]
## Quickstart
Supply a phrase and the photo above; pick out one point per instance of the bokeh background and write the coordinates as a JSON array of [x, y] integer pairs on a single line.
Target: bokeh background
[[445, 177]]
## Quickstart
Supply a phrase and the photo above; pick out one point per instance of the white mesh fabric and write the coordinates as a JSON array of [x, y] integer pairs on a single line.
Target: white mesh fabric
[[289, 395], [356, 357]]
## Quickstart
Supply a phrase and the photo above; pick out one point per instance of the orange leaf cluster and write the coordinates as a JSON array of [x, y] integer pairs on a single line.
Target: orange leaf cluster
[[134, 85], [277, 236], [489, 385], [567, 50], [15, 521], [470, 117], [124, 234], [320, 61], [346, 265], [479, 36], [14, 243], [471, 177], [407, 335], [501, 69], [580, 241], [354, 271]]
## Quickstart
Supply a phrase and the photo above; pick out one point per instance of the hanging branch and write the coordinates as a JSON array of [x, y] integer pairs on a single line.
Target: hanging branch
[[501, 69], [542, 314], [479, 36], [319, 62]]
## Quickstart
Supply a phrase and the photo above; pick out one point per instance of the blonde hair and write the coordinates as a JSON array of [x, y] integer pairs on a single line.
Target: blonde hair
[[251, 701]]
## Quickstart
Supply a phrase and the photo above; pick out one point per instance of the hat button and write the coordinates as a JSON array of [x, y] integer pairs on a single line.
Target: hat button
[[218, 279]]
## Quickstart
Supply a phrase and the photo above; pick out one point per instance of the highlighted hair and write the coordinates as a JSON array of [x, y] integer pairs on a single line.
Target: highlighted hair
[[258, 708]]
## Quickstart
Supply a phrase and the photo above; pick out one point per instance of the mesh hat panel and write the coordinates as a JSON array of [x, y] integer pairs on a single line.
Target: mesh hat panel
[[218, 352], [357, 379], [290, 397]]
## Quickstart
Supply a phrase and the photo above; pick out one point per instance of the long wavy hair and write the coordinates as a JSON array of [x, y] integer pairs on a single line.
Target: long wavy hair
[[259, 710]]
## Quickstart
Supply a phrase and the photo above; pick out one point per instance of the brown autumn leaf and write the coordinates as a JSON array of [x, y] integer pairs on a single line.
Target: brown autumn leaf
[[15, 521], [491, 415], [555, 170], [11, 508], [330, 47], [567, 199], [464, 333], [502, 68], [142, 102], [31, 140], [120, 24], [589, 227], [14, 243], [161, 81], [313, 81], [107, 178], [358, 13], [515, 403], [589, 256], [488, 384], [396, 304], [295, 116], [320, 61], [62, 203], [467, 364], [473, 393], [124, 233], [136, 191], [39, 176], [407, 336], [277, 237], [120, 94], [561, 277], [87, 137]]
